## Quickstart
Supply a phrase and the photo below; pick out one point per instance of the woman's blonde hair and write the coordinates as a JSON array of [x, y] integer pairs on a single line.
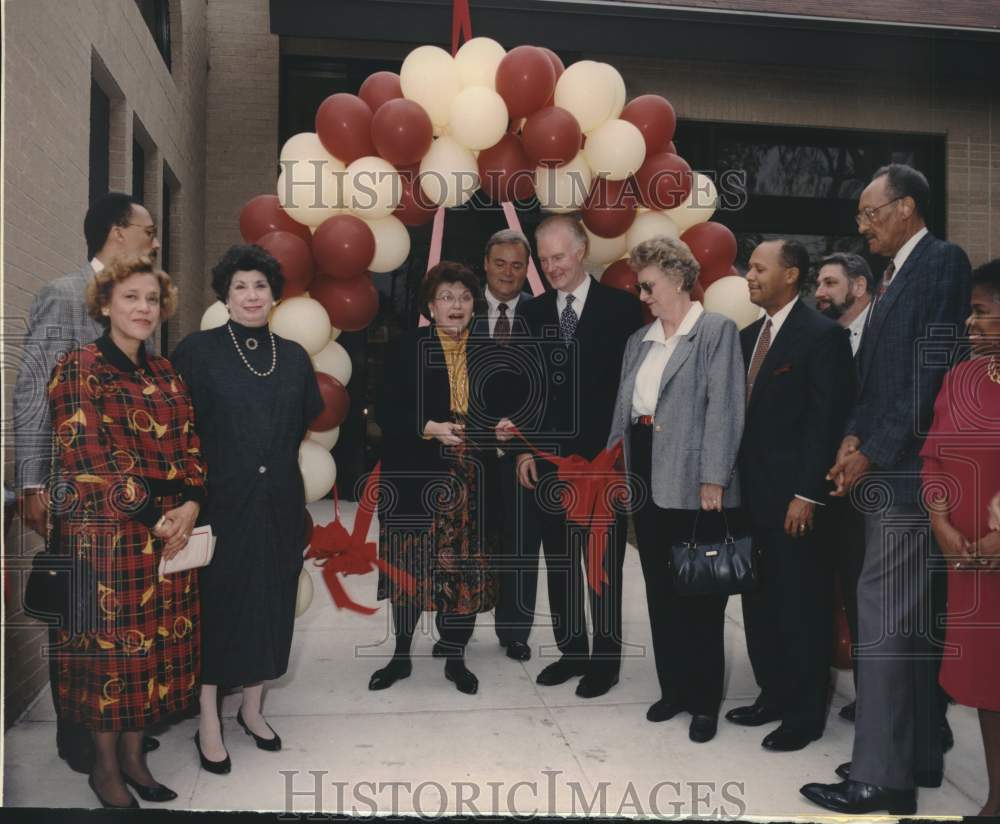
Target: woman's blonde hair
[[103, 283], [672, 257]]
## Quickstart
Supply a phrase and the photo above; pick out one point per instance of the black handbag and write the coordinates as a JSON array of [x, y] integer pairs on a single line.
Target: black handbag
[[726, 567]]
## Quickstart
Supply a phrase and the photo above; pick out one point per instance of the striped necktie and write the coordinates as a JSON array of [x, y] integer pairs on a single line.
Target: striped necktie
[[763, 344]]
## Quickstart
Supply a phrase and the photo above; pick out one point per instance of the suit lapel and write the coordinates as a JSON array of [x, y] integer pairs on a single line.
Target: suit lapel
[[685, 346], [591, 308], [782, 345]]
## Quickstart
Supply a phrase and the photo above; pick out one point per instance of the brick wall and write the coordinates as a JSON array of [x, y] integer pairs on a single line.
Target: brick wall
[[51, 50]]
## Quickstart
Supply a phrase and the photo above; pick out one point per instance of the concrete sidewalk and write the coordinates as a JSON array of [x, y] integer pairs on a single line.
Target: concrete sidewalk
[[514, 748]]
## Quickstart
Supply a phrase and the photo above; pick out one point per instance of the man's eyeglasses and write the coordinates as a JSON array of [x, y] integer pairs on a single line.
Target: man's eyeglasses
[[868, 215], [149, 230]]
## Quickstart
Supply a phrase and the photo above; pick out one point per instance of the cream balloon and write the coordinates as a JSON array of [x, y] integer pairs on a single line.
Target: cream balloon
[[310, 195], [372, 188], [429, 76], [304, 321], [334, 360], [477, 62], [648, 225], [319, 471], [698, 206], [449, 174], [563, 188], [730, 296], [392, 244], [618, 81], [615, 150], [327, 439], [334, 333], [215, 315], [304, 593], [603, 250], [588, 92], [478, 118]]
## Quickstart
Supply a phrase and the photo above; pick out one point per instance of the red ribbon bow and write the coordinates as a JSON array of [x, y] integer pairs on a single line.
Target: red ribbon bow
[[338, 551], [586, 501]]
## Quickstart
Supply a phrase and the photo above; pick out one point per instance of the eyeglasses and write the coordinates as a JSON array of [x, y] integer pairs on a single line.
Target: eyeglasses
[[868, 215], [149, 230], [448, 298], [646, 286]]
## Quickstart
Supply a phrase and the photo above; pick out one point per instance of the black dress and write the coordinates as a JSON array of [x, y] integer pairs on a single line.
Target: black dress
[[250, 429]]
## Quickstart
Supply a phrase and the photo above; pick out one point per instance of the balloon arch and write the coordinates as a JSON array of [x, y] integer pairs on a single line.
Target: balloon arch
[[517, 124]]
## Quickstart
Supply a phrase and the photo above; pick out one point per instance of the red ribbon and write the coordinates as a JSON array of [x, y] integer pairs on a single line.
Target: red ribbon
[[339, 552], [461, 23], [586, 502]]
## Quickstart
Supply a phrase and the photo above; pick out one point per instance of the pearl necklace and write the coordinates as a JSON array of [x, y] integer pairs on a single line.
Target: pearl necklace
[[246, 363], [993, 369]]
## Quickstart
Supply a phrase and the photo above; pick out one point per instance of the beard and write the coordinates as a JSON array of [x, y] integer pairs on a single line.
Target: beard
[[835, 311]]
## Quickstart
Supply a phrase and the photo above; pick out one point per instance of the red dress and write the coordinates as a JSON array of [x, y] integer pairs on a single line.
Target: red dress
[[125, 451], [962, 462]]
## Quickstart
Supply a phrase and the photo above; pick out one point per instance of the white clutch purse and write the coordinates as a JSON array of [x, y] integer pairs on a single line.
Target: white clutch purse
[[197, 553]]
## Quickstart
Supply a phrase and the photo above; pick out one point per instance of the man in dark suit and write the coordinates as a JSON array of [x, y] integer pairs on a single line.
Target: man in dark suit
[[799, 390], [116, 225], [578, 332], [505, 262], [897, 738]]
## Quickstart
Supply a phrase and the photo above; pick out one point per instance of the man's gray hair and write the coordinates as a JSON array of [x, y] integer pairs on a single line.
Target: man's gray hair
[[854, 267], [571, 224], [507, 237]]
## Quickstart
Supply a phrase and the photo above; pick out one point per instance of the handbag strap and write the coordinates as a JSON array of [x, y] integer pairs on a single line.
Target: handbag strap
[[694, 528]]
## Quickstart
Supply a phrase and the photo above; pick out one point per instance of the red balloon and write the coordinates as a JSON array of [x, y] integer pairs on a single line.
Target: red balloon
[[296, 260], [652, 115], [336, 402], [351, 304], [414, 209], [343, 123], [505, 172], [610, 207], [551, 137], [558, 65], [402, 132], [697, 293], [664, 181], [619, 275], [380, 88], [670, 148], [525, 80], [714, 247], [263, 214], [344, 246]]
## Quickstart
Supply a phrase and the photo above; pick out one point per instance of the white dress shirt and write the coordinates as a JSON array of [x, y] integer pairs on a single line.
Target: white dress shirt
[[647, 380], [904, 251], [580, 295], [493, 309], [856, 327]]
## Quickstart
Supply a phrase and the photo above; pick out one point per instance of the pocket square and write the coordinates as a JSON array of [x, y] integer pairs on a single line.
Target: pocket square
[[782, 370]]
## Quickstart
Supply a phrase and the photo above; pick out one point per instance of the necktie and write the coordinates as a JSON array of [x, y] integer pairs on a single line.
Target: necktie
[[568, 319], [763, 344], [501, 330], [890, 270]]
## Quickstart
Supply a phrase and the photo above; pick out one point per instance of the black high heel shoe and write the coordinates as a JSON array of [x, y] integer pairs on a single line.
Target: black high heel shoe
[[217, 767], [269, 744], [392, 672], [158, 793], [133, 806], [464, 681]]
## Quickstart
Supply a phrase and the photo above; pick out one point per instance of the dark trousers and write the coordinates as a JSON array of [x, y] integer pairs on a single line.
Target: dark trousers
[[565, 546], [687, 630], [788, 622], [454, 630], [517, 561]]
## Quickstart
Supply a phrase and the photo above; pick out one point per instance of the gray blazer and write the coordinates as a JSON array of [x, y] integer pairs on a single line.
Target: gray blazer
[[699, 415], [58, 323]]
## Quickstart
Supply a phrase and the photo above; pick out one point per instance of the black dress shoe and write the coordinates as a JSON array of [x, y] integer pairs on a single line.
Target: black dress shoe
[[752, 716], [134, 805], [593, 685], [218, 767], [392, 672], [786, 739], [663, 710], [858, 798], [703, 728], [464, 681], [269, 744], [158, 793], [847, 711], [518, 650], [922, 778], [559, 672]]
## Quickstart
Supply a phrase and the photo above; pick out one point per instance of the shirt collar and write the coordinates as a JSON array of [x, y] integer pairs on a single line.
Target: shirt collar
[[96, 265], [118, 359], [778, 318], [857, 325], [494, 304], [899, 259], [655, 332], [450, 344], [580, 295]]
